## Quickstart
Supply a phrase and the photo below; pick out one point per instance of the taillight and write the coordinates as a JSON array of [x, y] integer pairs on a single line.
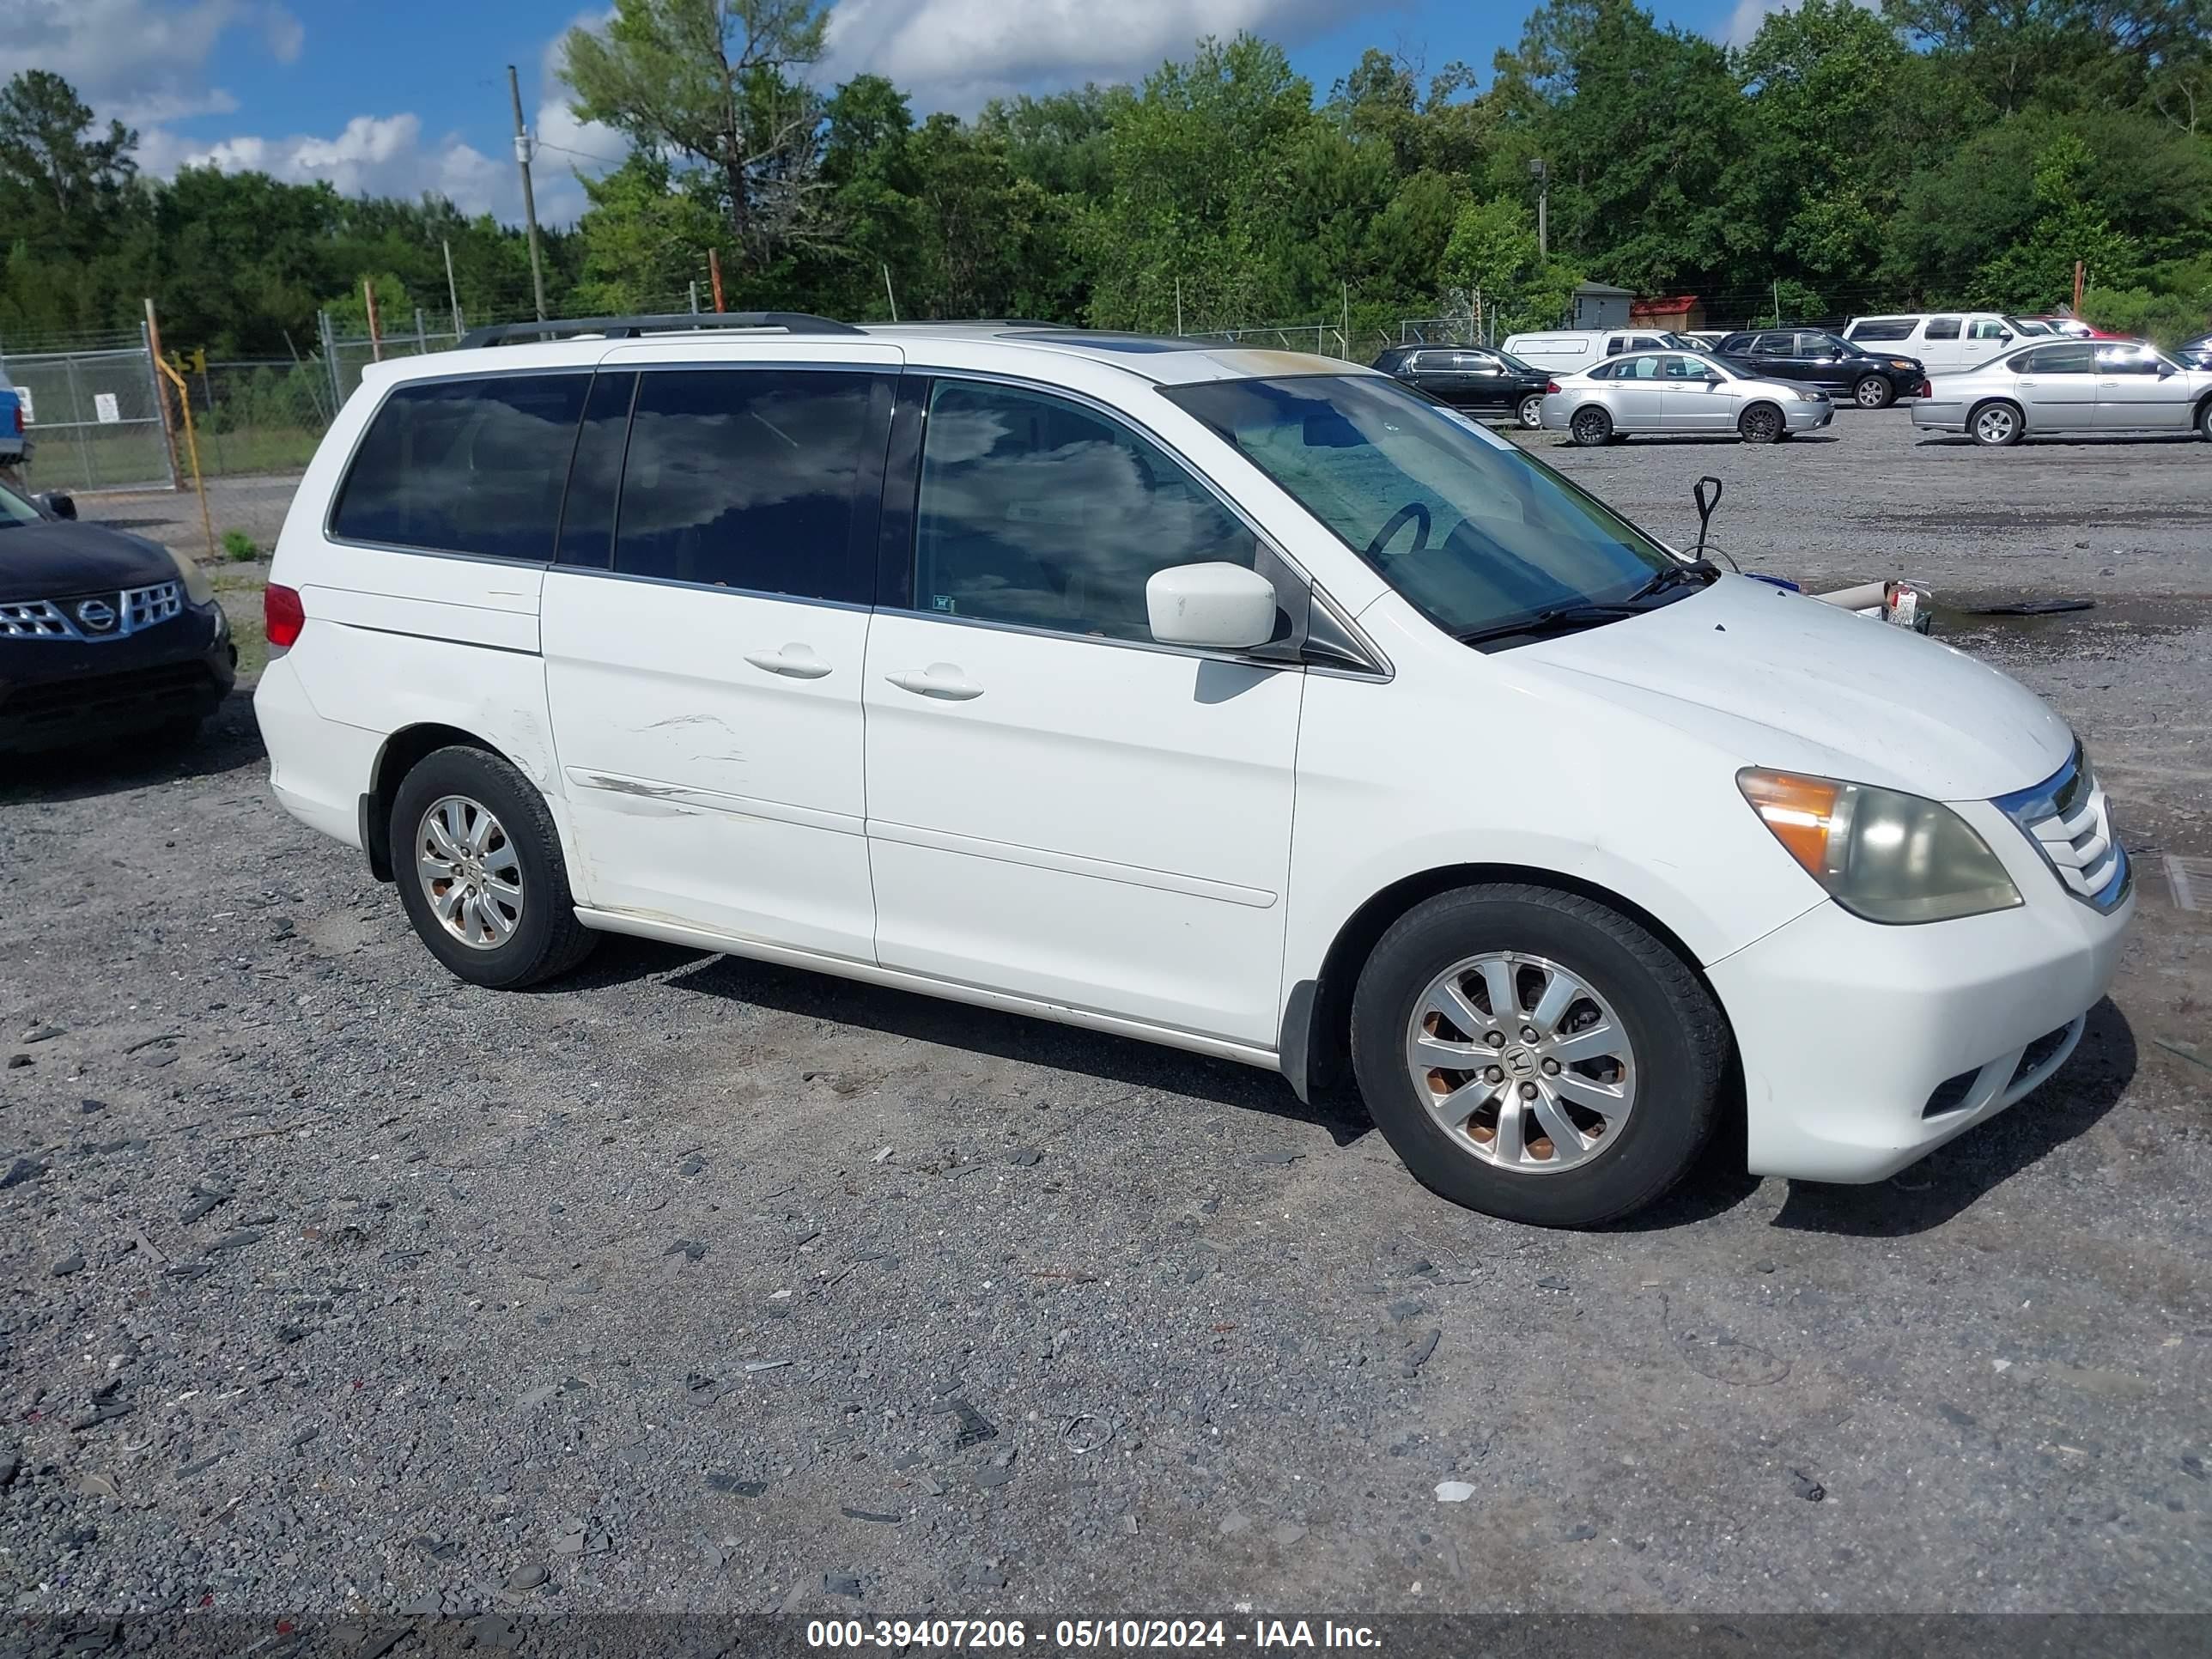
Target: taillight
[[283, 615], [1551, 388]]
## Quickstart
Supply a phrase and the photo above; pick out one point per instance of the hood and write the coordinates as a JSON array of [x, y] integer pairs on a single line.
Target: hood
[[1786, 681], [55, 560]]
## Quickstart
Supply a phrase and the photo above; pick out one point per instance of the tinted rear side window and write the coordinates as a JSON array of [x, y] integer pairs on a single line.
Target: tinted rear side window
[[763, 479], [465, 466], [587, 522], [1943, 328], [1883, 328]]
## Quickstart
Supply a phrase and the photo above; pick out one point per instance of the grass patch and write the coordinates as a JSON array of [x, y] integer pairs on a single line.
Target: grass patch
[[238, 546]]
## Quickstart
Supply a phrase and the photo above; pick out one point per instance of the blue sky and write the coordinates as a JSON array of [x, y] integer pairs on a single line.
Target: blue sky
[[407, 95]]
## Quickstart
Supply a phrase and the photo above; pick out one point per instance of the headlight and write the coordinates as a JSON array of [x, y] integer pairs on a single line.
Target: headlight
[[1886, 856], [1903, 362], [1812, 398], [198, 588]]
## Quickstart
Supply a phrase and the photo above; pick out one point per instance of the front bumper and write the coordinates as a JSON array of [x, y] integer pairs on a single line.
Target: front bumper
[[58, 694], [1801, 416], [1864, 1047]]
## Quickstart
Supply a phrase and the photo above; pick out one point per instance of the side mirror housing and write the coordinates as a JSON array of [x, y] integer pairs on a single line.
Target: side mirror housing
[[58, 503], [1218, 607]]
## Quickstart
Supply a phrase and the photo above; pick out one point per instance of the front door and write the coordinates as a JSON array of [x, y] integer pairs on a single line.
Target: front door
[[1058, 807], [2058, 387], [704, 639], [2131, 393], [1696, 397]]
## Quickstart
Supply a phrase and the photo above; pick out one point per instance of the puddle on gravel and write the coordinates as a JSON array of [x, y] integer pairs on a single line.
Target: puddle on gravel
[[1958, 622]]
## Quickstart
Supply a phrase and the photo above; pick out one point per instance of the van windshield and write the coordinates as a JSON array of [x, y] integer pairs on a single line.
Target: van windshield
[[1475, 532]]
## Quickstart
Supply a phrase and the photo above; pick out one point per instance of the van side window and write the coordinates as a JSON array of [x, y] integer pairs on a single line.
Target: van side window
[[465, 466], [753, 478], [1987, 328], [1943, 328], [1882, 328], [1033, 510], [588, 521]]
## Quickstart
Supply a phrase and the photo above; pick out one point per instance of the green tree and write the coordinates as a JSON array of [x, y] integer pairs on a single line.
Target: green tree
[[645, 238], [722, 83], [1492, 257], [2037, 271], [60, 178]]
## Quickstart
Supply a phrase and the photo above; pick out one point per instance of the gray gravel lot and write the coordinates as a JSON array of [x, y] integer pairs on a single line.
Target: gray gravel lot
[[335, 1286]]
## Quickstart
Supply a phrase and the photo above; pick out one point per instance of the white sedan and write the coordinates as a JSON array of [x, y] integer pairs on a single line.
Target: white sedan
[[2070, 386], [1679, 393]]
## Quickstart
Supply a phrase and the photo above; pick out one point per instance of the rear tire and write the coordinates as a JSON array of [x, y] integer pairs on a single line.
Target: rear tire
[[2204, 419], [1762, 424], [1531, 412], [1996, 426], [1591, 428], [1873, 392], [1633, 997], [522, 927]]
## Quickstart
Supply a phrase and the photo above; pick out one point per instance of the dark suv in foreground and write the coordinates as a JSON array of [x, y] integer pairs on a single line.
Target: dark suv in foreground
[[1480, 379], [1842, 368], [102, 633]]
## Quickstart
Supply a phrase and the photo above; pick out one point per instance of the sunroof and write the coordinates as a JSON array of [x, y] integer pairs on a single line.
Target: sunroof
[[1137, 344]]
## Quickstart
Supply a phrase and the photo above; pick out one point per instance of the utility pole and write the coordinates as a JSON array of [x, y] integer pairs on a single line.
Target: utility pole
[[452, 294], [529, 197], [1540, 171], [888, 295]]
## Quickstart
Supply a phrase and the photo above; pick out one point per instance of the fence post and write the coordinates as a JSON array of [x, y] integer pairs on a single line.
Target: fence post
[[150, 331], [330, 361], [422, 339]]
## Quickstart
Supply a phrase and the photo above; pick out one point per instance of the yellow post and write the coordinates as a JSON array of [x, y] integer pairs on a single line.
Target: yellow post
[[192, 447]]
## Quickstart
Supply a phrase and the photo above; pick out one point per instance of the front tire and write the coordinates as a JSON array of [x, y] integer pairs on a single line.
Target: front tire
[[1996, 426], [1537, 1055], [1531, 412], [1873, 392], [1761, 423], [480, 873], [2204, 419], [1591, 428]]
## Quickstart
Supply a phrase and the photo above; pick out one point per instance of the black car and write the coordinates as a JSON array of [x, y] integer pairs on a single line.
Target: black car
[[1842, 368], [1478, 377], [102, 635]]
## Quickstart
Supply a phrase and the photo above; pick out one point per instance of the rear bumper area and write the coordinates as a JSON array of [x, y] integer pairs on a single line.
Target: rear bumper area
[[57, 695], [318, 769], [1865, 1047]]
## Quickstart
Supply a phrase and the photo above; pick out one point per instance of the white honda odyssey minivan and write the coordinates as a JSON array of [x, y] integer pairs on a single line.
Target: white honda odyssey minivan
[[1239, 701]]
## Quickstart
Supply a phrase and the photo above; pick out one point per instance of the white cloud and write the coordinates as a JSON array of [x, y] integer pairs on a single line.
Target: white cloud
[[142, 61], [956, 54], [1743, 22], [375, 155]]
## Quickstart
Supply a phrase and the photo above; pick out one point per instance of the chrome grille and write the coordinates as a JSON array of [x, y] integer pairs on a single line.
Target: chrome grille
[[90, 618], [144, 606], [34, 619], [2069, 820]]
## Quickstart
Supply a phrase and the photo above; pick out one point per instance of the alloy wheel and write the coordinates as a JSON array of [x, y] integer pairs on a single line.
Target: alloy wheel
[[1995, 425], [1532, 411], [1872, 392], [1522, 1063], [470, 872]]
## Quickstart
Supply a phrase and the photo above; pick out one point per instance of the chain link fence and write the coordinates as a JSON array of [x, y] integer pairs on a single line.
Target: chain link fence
[[259, 416], [95, 415]]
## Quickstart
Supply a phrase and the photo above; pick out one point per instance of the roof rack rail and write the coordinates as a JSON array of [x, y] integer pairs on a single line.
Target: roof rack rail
[[629, 328], [976, 322]]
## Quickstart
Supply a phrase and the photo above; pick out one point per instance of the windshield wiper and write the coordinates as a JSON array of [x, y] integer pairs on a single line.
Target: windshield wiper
[[1704, 572]]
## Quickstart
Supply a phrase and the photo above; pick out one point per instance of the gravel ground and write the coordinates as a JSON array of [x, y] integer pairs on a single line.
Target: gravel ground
[[335, 1287]]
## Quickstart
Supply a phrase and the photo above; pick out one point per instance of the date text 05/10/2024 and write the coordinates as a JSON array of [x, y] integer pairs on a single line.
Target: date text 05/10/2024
[[1087, 1633]]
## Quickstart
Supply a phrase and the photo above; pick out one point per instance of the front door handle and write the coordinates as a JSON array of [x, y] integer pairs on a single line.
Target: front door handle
[[939, 679], [795, 661]]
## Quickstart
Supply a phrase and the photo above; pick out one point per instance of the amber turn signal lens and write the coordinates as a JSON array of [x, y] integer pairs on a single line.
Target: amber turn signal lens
[[1801, 812]]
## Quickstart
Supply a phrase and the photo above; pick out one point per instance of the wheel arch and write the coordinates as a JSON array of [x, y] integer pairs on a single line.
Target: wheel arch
[[2019, 409], [1763, 402], [403, 751], [2203, 404], [1316, 1041]]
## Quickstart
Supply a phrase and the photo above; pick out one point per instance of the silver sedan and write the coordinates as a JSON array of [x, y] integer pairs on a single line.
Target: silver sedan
[[1679, 391], [2072, 386]]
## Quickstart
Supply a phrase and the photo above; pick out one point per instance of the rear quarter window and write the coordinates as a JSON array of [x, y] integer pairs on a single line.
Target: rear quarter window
[[465, 466], [1883, 328]]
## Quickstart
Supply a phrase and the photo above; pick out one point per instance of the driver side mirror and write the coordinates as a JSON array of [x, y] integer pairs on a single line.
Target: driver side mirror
[[1217, 607], [2165, 371], [57, 502]]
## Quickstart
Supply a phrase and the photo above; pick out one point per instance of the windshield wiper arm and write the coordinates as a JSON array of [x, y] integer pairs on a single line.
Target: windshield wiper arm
[[1554, 619], [1674, 574]]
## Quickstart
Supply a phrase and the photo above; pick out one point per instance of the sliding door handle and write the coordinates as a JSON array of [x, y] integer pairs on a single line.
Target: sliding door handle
[[794, 661], [939, 679]]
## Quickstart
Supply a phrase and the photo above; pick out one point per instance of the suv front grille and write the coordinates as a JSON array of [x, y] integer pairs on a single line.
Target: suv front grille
[[89, 619], [2069, 821]]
